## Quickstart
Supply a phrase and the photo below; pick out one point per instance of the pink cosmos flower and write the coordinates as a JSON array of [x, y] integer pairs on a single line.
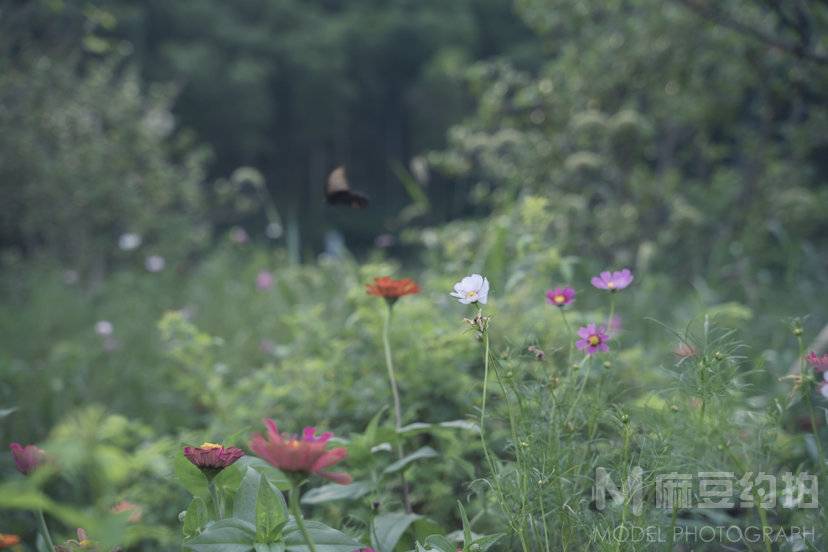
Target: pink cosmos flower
[[593, 339], [27, 458], [239, 235], [264, 280], [613, 281], [560, 297], [820, 363], [305, 454]]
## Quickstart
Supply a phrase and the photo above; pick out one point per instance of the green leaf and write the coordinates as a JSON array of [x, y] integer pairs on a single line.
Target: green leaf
[[190, 477], [269, 547], [6, 411], [467, 538], [326, 539], [441, 543], [416, 427], [334, 491], [388, 528], [486, 541], [244, 505], [195, 518], [227, 535], [275, 476], [419, 454], [461, 424], [271, 513]]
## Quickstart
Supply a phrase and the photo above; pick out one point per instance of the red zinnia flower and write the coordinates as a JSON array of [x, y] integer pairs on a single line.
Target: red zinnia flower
[[392, 289], [7, 541], [27, 458], [307, 454], [211, 458]]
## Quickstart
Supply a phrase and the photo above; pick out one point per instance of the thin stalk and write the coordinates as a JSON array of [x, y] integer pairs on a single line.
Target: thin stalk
[[611, 311], [297, 515], [571, 340], [395, 392], [218, 505], [44, 530]]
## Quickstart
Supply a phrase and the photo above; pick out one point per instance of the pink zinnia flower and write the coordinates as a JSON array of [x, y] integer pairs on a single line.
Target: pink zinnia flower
[[211, 458], [560, 296], [264, 280], [593, 339], [820, 363], [304, 454], [27, 458], [613, 281]]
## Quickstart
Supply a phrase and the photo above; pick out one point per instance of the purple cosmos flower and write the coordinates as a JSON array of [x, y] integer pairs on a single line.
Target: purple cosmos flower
[[264, 280], [593, 339], [27, 458], [613, 281], [560, 297], [820, 363], [211, 458]]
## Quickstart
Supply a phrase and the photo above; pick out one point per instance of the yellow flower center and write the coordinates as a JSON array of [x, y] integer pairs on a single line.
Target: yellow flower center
[[559, 299], [293, 443], [210, 446], [471, 294], [610, 285], [594, 340]]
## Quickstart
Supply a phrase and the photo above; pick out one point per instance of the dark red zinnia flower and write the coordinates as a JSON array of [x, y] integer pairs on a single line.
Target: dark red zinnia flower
[[27, 458], [392, 289], [306, 454], [211, 458]]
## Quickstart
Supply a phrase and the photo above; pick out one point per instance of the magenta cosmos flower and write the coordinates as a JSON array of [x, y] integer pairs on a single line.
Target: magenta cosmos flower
[[593, 339], [820, 363], [560, 297], [264, 280], [613, 281], [305, 454], [211, 458], [27, 458]]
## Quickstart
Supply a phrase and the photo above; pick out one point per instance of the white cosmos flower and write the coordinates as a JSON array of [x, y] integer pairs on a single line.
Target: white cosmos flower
[[472, 289], [129, 241], [104, 328]]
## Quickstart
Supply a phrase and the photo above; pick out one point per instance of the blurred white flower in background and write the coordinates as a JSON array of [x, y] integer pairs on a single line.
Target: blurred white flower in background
[[155, 263], [104, 328], [129, 241]]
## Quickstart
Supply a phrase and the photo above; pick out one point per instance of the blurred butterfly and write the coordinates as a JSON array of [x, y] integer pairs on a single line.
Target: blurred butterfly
[[338, 192]]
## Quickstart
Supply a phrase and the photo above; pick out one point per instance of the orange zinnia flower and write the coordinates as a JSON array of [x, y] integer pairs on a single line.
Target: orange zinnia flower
[[392, 289], [7, 541]]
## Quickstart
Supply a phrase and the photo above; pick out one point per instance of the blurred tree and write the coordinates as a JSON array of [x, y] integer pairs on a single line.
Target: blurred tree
[[662, 135]]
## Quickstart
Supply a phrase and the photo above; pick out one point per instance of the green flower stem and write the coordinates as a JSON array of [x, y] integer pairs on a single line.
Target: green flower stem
[[395, 392], [571, 341], [44, 530], [611, 311], [218, 505], [297, 515]]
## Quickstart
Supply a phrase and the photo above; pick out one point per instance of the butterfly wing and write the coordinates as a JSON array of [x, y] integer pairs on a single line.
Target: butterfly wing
[[338, 192]]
